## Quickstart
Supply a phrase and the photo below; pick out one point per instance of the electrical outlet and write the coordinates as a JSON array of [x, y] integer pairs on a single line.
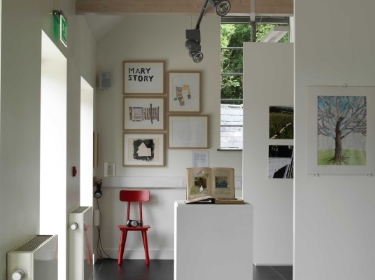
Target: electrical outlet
[[183, 183], [109, 169]]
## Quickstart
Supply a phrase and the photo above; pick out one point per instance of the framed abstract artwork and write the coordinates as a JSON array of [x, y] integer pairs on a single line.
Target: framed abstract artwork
[[143, 77], [143, 113], [184, 92], [188, 132], [143, 149]]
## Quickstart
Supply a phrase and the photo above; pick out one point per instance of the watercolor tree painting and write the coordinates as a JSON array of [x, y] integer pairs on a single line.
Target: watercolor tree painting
[[342, 130]]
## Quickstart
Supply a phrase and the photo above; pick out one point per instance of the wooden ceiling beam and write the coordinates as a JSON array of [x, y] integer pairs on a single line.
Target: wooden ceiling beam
[[183, 7]]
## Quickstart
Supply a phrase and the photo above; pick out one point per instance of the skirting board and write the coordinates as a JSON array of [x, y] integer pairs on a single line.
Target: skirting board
[[152, 182], [272, 264], [140, 254]]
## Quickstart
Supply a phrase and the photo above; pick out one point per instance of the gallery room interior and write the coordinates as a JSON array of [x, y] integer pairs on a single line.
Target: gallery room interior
[[61, 125]]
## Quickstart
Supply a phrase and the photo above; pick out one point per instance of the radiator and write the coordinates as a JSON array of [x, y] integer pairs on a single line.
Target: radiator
[[80, 244], [34, 259]]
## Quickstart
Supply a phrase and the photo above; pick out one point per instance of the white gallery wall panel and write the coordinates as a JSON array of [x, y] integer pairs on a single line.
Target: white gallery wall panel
[[334, 232], [268, 72]]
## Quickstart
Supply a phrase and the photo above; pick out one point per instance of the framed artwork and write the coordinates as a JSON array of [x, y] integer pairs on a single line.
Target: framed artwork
[[340, 130], [280, 162], [143, 77], [143, 149], [143, 113], [281, 122], [188, 131], [184, 93]]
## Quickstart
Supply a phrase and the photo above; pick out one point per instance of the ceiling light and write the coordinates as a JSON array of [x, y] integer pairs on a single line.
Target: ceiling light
[[222, 7], [193, 36]]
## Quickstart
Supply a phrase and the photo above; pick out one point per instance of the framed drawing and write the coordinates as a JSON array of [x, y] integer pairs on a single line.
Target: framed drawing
[[143, 77], [340, 130], [143, 149], [143, 113], [188, 132], [184, 93]]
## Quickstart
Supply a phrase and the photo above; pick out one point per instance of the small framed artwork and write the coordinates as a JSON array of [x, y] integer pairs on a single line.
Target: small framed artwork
[[143, 149], [143, 77], [188, 132], [184, 93], [143, 113]]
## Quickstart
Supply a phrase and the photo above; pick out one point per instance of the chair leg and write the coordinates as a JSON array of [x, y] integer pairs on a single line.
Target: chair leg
[[123, 234], [145, 245]]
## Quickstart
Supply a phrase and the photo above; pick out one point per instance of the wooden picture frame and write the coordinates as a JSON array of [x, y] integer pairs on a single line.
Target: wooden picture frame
[[143, 149], [188, 132], [143, 113], [143, 77], [184, 92]]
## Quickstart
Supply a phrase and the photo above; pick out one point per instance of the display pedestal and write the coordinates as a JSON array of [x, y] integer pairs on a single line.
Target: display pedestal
[[213, 241]]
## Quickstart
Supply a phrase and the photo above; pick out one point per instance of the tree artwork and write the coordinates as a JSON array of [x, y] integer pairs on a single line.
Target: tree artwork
[[342, 130]]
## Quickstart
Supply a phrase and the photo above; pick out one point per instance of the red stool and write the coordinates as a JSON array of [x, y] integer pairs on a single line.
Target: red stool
[[133, 196]]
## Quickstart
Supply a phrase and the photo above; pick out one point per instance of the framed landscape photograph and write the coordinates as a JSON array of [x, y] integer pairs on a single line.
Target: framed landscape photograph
[[188, 132], [143, 77], [143, 149], [143, 113], [184, 93], [281, 122]]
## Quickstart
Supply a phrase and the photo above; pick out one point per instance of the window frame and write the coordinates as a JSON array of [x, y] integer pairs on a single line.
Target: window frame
[[241, 20]]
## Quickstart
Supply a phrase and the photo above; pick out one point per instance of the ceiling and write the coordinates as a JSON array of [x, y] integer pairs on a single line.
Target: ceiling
[[101, 25], [103, 16]]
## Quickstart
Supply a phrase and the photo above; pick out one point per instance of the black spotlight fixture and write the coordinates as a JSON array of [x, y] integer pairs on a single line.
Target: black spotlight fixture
[[193, 36]]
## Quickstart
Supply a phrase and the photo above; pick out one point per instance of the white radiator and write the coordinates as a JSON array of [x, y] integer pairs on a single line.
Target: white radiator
[[34, 259], [80, 244]]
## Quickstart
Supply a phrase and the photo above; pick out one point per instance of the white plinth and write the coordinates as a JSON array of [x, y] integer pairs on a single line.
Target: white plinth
[[213, 241]]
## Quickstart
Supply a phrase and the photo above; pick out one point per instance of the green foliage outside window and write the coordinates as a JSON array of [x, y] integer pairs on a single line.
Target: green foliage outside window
[[233, 36]]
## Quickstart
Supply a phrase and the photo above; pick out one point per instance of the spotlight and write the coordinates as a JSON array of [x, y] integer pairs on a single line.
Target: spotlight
[[193, 36], [222, 7], [192, 43]]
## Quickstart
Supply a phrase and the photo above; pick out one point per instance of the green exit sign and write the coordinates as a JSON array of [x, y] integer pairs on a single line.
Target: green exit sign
[[63, 30]]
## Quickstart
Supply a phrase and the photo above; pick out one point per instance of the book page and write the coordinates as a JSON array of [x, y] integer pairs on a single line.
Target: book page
[[222, 185], [198, 181]]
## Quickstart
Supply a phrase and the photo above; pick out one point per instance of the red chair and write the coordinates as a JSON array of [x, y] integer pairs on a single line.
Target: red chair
[[133, 196]]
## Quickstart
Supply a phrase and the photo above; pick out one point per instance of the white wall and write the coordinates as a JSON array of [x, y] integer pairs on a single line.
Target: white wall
[[333, 224], [269, 71], [154, 38], [22, 23]]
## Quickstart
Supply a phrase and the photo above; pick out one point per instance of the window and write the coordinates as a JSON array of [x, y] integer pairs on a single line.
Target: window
[[234, 32]]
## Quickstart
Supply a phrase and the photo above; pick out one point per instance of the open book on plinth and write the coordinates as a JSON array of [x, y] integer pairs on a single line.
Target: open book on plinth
[[216, 182]]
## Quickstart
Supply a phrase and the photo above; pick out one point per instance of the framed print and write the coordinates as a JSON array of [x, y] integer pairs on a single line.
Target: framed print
[[143, 113], [340, 130], [184, 93], [143, 149], [143, 77], [188, 132]]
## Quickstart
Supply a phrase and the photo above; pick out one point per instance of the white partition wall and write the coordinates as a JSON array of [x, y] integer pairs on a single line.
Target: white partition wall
[[86, 145], [53, 146], [334, 215], [268, 72]]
